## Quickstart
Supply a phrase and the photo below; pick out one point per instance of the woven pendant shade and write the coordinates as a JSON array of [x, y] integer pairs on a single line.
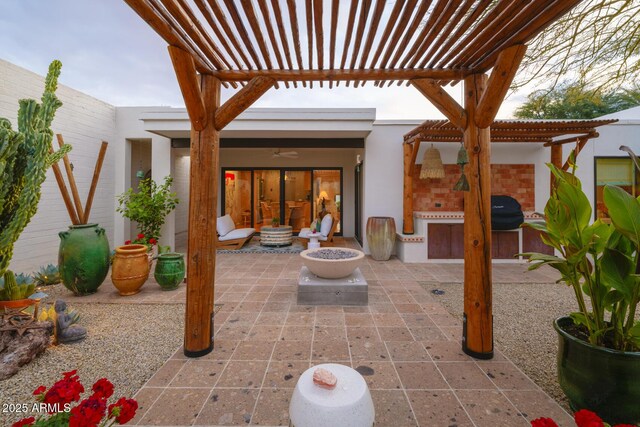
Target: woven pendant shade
[[432, 164]]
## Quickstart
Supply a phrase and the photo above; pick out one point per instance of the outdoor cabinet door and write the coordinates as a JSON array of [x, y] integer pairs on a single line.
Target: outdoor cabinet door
[[531, 242], [457, 241], [439, 241], [504, 244]]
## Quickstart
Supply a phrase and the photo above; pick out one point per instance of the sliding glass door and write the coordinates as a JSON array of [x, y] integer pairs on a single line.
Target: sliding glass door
[[255, 197]]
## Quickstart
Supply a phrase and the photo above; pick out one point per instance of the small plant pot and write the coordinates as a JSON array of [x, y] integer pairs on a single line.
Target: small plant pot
[[20, 304], [169, 272], [130, 269]]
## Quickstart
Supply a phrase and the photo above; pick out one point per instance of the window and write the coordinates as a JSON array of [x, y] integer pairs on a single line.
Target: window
[[614, 171]]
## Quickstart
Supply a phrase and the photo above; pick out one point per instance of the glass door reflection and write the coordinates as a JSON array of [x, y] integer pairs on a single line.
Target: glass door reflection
[[297, 199], [266, 197]]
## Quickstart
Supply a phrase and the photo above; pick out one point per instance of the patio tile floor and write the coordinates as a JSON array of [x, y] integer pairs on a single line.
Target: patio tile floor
[[404, 343]]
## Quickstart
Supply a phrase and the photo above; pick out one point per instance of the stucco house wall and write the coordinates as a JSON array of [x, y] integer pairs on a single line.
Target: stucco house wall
[[84, 123]]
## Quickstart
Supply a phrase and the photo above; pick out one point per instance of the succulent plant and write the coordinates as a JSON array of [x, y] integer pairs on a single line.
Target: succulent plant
[[50, 314], [12, 290], [48, 275], [25, 156]]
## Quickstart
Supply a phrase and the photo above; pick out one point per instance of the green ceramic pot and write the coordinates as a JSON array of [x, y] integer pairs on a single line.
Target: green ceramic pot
[[169, 271], [83, 258], [598, 379]]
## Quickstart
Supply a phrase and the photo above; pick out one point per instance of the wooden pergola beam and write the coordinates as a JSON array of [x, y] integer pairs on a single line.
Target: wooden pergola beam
[[556, 160], [340, 75], [499, 82], [570, 139], [188, 81], [448, 106], [242, 100]]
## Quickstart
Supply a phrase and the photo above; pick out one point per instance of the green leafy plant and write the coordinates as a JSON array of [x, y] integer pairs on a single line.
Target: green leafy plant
[[148, 206], [599, 261], [25, 156], [48, 275], [275, 221]]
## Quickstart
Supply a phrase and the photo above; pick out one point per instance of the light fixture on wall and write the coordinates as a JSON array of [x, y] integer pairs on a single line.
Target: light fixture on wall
[[432, 166]]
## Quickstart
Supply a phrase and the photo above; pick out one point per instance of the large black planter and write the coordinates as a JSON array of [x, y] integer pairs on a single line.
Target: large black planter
[[601, 380]]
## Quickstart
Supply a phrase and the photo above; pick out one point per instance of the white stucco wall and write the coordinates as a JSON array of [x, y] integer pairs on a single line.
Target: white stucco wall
[[84, 123]]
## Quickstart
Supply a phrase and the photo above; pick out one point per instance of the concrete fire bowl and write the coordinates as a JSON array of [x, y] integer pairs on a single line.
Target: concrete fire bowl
[[332, 263]]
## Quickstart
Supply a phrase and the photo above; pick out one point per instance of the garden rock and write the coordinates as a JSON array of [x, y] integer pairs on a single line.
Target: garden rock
[[21, 340]]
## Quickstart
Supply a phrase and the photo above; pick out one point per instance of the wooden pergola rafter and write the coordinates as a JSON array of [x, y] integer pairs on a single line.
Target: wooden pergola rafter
[[425, 43]]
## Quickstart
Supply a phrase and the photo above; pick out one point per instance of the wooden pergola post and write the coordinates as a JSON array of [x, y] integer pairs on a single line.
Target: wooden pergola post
[[556, 160], [207, 118], [410, 150], [477, 333]]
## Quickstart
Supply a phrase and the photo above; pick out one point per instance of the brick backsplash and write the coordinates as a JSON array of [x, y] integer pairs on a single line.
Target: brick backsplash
[[516, 181]]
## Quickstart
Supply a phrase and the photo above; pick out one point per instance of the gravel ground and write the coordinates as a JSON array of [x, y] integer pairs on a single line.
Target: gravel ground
[[128, 359], [523, 316]]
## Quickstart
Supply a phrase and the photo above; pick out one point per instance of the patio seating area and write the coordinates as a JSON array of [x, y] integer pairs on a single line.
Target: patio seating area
[[404, 342]]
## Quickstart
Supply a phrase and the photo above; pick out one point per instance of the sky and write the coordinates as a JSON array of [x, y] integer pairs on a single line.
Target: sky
[[110, 53]]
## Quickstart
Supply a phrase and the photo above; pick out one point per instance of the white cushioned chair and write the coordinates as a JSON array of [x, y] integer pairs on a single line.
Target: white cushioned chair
[[327, 229], [230, 237]]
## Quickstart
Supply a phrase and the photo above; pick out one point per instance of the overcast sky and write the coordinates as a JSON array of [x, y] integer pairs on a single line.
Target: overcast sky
[[108, 52]]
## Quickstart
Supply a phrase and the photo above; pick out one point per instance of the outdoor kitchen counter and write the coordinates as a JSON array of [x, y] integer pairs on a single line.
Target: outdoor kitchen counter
[[439, 237]]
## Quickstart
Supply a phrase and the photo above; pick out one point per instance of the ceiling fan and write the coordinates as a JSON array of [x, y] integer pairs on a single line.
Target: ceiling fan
[[287, 154]]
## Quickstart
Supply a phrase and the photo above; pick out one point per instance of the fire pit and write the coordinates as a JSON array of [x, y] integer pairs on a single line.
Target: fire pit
[[332, 263]]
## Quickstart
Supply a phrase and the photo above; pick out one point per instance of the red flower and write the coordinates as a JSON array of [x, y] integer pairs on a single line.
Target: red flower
[[70, 374], [127, 242], [123, 410], [153, 241], [140, 236], [66, 390], [24, 422], [543, 422], [102, 389], [88, 413], [39, 390], [585, 418]]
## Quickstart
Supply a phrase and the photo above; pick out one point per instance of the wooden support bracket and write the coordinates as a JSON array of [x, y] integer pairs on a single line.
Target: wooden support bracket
[[242, 100], [414, 156], [189, 86], [581, 143], [442, 101], [501, 77]]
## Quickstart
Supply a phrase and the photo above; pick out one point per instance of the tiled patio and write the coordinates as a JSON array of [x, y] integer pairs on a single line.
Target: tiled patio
[[407, 343]]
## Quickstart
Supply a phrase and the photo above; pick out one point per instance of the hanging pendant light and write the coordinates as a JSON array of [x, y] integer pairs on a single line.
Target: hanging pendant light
[[432, 164]]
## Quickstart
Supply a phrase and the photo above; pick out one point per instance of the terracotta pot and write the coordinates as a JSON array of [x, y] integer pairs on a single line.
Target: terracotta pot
[[381, 237], [18, 303], [130, 268]]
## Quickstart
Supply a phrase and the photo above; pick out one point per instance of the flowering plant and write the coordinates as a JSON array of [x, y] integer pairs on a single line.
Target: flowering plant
[[583, 418], [91, 412], [141, 239]]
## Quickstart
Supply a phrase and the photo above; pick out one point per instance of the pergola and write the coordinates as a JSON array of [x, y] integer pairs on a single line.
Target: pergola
[[257, 44], [550, 133]]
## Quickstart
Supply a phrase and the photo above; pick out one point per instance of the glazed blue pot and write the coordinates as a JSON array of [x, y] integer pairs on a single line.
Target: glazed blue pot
[[599, 379]]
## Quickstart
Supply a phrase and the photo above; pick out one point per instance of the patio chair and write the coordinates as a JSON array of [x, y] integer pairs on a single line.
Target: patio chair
[[230, 237], [328, 227]]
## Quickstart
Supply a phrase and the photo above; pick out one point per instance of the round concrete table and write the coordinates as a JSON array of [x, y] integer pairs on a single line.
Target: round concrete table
[[276, 236], [349, 404]]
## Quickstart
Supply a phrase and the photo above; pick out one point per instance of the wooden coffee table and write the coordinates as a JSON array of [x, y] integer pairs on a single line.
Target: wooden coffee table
[[276, 236]]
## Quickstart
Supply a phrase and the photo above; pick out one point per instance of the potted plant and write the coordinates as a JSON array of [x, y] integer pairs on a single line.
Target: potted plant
[[599, 345], [15, 291], [148, 206], [275, 222], [25, 156]]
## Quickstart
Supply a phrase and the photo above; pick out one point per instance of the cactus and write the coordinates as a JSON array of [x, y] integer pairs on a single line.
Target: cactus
[[15, 289], [48, 275], [25, 156]]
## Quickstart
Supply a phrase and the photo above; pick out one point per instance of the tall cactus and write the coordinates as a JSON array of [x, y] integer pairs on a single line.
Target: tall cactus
[[25, 155]]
